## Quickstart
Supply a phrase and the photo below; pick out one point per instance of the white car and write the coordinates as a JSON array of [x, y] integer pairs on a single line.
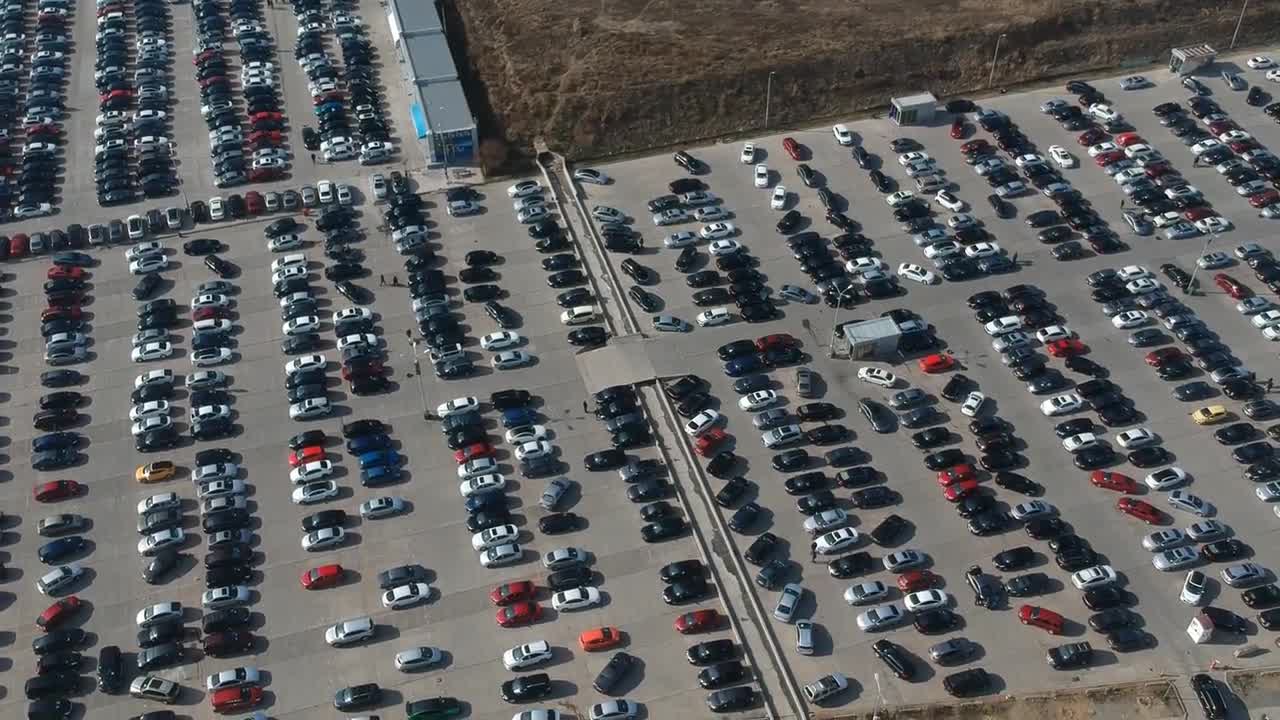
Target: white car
[[579, 598], [1030, 510], [234, 677], [357, 339], [758, 400], [301, 325], [1136, 438], [949, 201], [943, 249], [306, 362], [208, 357], [578, 315], [150, 424], [159, 501], [143, 249], [747, 157], [1130, 319], [825, 520], [526, 433], [511, 359], [972, 404], [501, 340], [323, 539], [1092, 578], [1166, 478], [534, 450], [477, 467], [713, 317], [864, 264], [288, 273], [709, 214], [1269, 492], [1187, 502], [1053, 333], [1061, 404], [1003, 325], [911, 271], [843, 136], [221, 325], [1103, 112], [910, 158], [157, 541], [482, 484], [458, 406], [716, 231], [224, 597], [926, 600], [880, 617], [1194, 588], [1061, 157], [701, 423], [153, 408], [680, 239], [352, 313], [311, 472], [1079, 442], [877, 376], [494, 536], [836, 541], [1260, 62], [778, 201], [1102, 149], [315, 492], [408, 595], [727, 246], [148, 264], [152, 351], [1266, 319], [523, 657], [501, 555], [762, 176], [220, 488], [417, 658], [158, 614], [1205, 146], [899, 198], [982, 250], [310, 408]]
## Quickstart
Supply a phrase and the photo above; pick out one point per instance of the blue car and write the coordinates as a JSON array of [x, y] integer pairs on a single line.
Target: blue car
[[366, 443], [517, 417], [328, 106], [53, 459], [746, 365], [53, 552], [54, 441], [379, 475], [485, 502], [379, 457]]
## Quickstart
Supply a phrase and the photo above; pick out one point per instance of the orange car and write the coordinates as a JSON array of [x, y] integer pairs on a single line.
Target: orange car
[[936, 363], [601, 638], [1035, 616]]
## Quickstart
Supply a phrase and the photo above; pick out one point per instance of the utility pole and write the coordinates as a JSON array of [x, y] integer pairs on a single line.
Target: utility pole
[[1239, 22], [835, 321], [991, 79], [768, 93]]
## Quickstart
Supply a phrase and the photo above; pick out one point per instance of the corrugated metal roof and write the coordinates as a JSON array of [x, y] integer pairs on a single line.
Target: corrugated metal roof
[[870, 330], [416, 16], [429, 58], [917, 99], [446, 107]]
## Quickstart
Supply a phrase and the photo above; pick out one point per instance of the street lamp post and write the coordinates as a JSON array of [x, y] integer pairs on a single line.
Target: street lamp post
[[1191, 283], [768, 93], [1239, 22], [835, 321], [991, 79]]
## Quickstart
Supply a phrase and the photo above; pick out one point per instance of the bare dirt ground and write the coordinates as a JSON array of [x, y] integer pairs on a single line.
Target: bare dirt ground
[[1145, 701], [615, 76]]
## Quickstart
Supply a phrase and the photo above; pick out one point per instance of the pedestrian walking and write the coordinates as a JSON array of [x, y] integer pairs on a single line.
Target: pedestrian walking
[[585, 408], [813, 552], [1270, 383], [382, 280], [313, 158], [1015, 258], [395, 281]]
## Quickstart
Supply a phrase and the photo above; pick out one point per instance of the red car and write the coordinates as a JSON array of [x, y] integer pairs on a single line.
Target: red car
[[254, 203], [1091, 137], [955, 474], [707, 443], [958, 129], [266, 116], [275, 137], [1198, 213], [1158, 170], [916, 580], [1264, 199], [1126, 139], [973, 147], [1157, 358], [265, 174], [115, 95], [214, 80], [780, 340], [936, 363], [519, 613], [19, 245], [319, 578], [58, 613], [236, 699], [63, 272], [1145, 512], [205, 56], [512, 592], [960, 490], [697, 621], [322, 99], [1108, 480], [1065, 347], [1218, 127], [61, 313], [55, 490], [473, 451], [1035, 616], [1107, 158], [42, 130], [304, 455], [1243, 146], [1231, 286], [792, 147]]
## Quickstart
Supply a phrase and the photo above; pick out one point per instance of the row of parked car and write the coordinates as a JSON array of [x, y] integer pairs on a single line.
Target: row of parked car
[[339, 138], [31, 191], [123, 139]]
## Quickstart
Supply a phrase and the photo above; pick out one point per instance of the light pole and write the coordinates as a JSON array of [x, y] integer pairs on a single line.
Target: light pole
[[1191, 283], [768, 93], [835, 321], [1239, 22], [991, 79]]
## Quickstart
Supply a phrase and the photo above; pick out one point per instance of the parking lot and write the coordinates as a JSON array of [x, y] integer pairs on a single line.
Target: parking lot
[[1015, 655], [301, 672]]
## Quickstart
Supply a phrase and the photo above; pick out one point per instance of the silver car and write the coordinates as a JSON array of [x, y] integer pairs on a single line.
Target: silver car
[[880, 617], [1175, 559], [1243, 575], [1164, 540], [554, 492], [866, 593]]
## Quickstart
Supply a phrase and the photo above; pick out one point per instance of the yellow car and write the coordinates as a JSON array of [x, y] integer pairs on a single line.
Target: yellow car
[[1209, 415], [155, 472]]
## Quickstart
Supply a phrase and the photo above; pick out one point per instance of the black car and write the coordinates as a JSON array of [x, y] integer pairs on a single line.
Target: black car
[[613, 672], [744, 517], [1209, 694], [557, 523], [935, 621], [761, 548], [873, 497], [1014, 558], [111, 676], [967, 682], [526, 687], [1028, 585], [356, 697], [895, 658]]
